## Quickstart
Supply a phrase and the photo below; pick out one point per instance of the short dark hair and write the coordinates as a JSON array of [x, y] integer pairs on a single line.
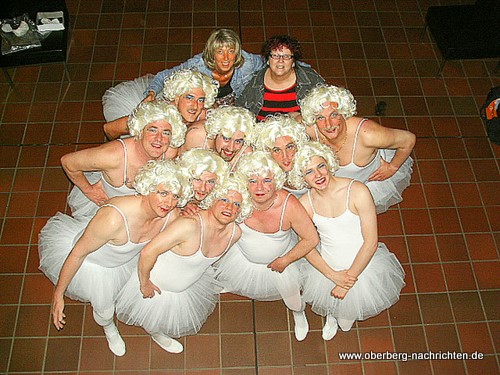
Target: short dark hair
[[280, 41]]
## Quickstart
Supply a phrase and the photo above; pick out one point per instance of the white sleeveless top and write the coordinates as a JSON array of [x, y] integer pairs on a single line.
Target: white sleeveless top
[[340, 236], [263, 248], [110, 255], [175, 273], [122, 190]]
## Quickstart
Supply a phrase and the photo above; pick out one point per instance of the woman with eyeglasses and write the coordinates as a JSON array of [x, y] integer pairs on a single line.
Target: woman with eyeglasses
[[368, 152], [279, 86]]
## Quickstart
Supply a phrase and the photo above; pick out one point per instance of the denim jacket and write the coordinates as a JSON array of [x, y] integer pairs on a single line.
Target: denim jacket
[[241, 75], [252, 98]]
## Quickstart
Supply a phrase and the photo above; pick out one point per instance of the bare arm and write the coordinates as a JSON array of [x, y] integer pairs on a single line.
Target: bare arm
[[102, 158], [378, 136], [302, 224], [104, 227], [178, 233]]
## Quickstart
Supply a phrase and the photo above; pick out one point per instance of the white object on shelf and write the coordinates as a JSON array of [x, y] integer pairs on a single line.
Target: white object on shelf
[[50, 21]]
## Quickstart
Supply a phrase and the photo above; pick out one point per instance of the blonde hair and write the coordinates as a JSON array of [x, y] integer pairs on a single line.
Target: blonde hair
[[260, 163], [227, 120], [196, 161], [303, 157], [267, 132], [149, 112], [218, 39], [183, 81], [166, 172], [221, 190], [313, 103]]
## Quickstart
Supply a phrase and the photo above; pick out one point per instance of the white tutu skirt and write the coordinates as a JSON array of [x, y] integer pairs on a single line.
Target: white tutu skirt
[[120, 100], [240, 276], [82, 208], [174, 314], [378, 287], [92, 282], [389, 192]]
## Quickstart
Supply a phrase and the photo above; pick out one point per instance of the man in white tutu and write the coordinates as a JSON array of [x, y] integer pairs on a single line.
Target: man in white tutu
[[205, 170], [226, 130], [101, 261], [354, 276], [108, 170], [189, 90], [367, 151], [262, 265], [174, 291]]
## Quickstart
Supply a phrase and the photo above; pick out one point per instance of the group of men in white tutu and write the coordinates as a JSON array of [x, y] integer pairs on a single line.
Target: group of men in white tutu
[[198, 200]]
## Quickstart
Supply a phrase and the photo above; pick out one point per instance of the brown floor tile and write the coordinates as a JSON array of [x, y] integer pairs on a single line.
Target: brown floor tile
[[459, 276], [376, 340], [379, 367], [347, 369], [309, 351], [343, 342], [452, 247], [475, 337], [405, 311], [21, 362], [271, 316], [429, 278], [466, 306], [11, 287], [416, 221], [236, 317], [62, 354], [448, 367], [435, 308], [37, 289], [137, 356], [33, 321], [237, 350], [487, 274], [486, 366], [273, 349], [422, 249], [415, 367], [490, 303], [202, 351], [28, 180], [162, 360], [8, 315], [12, 259], [95, 355], [409, 339], [22, 205], [438, 195]]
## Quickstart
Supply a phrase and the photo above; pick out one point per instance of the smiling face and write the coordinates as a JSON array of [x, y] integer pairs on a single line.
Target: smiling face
[[283, 152], [226, 147], [281, 61], [316, 173], [204, 185], [162, 201], [225, 58], [329, 121], [262, 189], [227, 208], [190, 104], [155, 138]]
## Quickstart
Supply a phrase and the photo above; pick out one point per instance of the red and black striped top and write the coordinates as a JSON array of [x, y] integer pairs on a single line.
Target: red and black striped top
[[282, 101]]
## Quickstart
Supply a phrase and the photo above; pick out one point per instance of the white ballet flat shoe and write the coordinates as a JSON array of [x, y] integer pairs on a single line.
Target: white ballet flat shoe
[[168, 343], [329, 329], [345, 324], [301, 325], [115, 341]]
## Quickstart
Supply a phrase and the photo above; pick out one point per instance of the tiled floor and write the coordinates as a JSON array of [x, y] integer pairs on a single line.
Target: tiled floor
[[446, 232]]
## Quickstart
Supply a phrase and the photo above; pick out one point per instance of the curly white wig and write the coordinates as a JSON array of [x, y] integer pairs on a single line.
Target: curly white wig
[[198, 160], [227, 120], [148, 112], [165, 172], [183, 81], [303, 157], [314, 102], [221, 190], [267, 132], [261, 164]]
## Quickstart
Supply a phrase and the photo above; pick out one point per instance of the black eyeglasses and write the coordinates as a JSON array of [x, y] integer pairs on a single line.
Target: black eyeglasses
[[276, 56]]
